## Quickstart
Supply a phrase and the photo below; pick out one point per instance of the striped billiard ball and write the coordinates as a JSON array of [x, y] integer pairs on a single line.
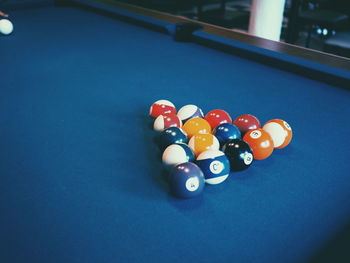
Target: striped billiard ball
[[188, 112], [177, 153], [163, 122], [162, 107], [280, 132], [214, 165]]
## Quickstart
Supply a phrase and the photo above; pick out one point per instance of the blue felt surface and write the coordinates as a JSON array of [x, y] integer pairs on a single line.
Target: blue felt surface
[[82, 181]]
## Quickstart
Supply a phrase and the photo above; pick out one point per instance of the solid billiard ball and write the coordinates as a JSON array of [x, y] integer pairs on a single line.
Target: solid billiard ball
[[172, 135], [186, 180], [166, 121], [162, 107], [188, 112], [177, 153], [225, 132], [214, 165], [196, 125], [280, 132], [239, 154], [246, 122], [217, 117], [202, 142], [6, 27], [260, 142]]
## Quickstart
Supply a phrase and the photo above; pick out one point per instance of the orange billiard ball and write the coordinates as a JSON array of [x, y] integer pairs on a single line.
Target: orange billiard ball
[[195, 126], [280, 132], [260, 142]]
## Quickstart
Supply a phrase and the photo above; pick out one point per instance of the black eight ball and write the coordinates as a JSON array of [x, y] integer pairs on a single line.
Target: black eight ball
[[239, 154]]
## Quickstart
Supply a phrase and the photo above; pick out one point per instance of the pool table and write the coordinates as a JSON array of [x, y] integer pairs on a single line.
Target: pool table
[[81, 178]]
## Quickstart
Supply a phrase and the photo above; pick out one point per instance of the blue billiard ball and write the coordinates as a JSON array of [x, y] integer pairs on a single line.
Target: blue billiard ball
[[172, 135], [225, 132], [239, 154], [186, 180], [177, 153], [214, 165]]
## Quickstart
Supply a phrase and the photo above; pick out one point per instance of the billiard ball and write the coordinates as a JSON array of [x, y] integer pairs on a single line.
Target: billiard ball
[[202, 142], [162, 107], [217, 117], [239, 154], [196, 125], [177, 153], [260, 142], [165, 121], [214, 165], [280, 132], [186, 180], [172, 135], [246, 122], [6, 27], [225, 132], [188, 112]]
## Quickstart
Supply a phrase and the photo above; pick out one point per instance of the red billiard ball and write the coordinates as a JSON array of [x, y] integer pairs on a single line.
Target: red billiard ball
[[163, 122], [246, 122], [260, 142], [217, 117], [162, 107]]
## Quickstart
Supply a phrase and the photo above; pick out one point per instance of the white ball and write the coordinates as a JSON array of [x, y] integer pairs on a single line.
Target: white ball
[[6, 27]]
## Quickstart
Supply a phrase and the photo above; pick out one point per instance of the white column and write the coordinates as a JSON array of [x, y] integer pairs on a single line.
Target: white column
[[266, 18]]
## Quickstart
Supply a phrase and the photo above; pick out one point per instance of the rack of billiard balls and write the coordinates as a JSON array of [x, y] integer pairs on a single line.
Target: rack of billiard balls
[[199, 149]]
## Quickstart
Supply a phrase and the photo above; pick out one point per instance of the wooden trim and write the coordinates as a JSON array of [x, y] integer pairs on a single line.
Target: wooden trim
[[280, 47]]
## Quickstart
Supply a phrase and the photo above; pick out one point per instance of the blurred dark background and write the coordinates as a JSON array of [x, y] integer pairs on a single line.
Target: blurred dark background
[[318, 24]]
